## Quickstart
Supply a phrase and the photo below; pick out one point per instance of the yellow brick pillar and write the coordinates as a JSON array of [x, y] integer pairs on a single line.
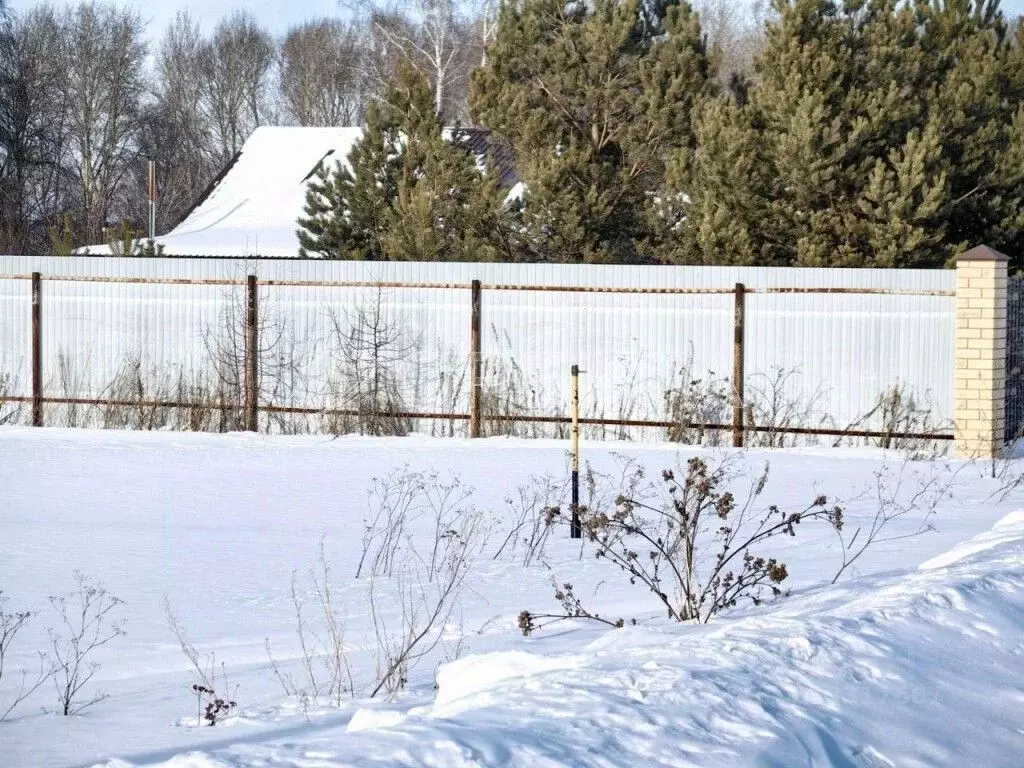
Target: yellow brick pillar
[[980, 412]]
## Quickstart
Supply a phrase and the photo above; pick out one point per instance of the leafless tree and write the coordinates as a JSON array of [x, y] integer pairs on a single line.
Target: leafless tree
[[279, 354], [371, 346], [31, 130], [438, 37], [321, 73], [102, 53], [736, 31], [175, 130], [235, 72]]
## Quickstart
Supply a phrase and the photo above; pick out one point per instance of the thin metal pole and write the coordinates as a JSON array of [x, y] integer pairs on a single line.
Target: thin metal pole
[[152, 200], [251, 356], [475, 363], [575, 528], [37, 350], [737, 367]]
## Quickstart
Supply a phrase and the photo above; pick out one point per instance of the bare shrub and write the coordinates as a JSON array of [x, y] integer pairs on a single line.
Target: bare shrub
[[696, 548], [29, 681], [279, 355], [503, 398], [71, 384], [202, 412], [391, 502], [771, 408], [450, 390], [899, 412], [10, 410], [325, 671], [1006, 468], [527, 511], [572, 608], [628, 397], [399, 500], [691, 402], [216, 707], [131, 384], [87, 624], [147, 396], [425, 583], [428, 594], [369, 348], [445, 504], [929, 488], [211, 706], [507, 395]]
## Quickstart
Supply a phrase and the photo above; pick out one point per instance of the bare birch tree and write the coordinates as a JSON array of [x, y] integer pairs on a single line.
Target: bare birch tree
[[321, 73], [102, 86], [235, 71], [31, 130], [175, 130], [437, 37], [736, 31]]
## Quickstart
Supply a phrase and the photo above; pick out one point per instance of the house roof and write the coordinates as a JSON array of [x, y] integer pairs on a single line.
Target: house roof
[[480, 142], [253, 206]]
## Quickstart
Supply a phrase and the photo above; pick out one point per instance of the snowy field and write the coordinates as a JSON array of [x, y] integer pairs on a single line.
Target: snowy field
[[915, 657]]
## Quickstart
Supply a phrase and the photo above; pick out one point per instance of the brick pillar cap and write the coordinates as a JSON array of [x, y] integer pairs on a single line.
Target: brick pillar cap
[[982, 253]]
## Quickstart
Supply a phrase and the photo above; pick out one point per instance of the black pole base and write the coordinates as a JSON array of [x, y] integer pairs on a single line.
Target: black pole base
[[575, 527]]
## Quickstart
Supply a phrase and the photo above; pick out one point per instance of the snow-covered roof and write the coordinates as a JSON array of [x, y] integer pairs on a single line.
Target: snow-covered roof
[[254, 207]]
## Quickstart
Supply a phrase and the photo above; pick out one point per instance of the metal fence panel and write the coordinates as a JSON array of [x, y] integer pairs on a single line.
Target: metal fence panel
[[1014, 359], [637, 331]]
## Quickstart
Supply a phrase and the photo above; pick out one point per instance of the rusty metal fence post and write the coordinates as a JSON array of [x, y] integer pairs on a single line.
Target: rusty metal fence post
[[475, 363], [37, 349], [737, 366], [251, 407]]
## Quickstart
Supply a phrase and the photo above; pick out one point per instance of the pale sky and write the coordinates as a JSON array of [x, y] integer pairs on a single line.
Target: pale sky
[[276, 15]]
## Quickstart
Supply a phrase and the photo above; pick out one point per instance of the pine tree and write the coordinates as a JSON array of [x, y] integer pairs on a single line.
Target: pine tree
[[410, 194], [591, 99], [445, 208], [325, 230], [876, 133], [346, 209], [977, 100]]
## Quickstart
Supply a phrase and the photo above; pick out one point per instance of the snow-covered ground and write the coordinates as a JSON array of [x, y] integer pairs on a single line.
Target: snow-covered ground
[[916, 658]]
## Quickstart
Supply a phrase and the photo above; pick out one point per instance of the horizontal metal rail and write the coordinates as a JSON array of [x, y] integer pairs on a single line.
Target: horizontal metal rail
[[515, 418], [637, 290]]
